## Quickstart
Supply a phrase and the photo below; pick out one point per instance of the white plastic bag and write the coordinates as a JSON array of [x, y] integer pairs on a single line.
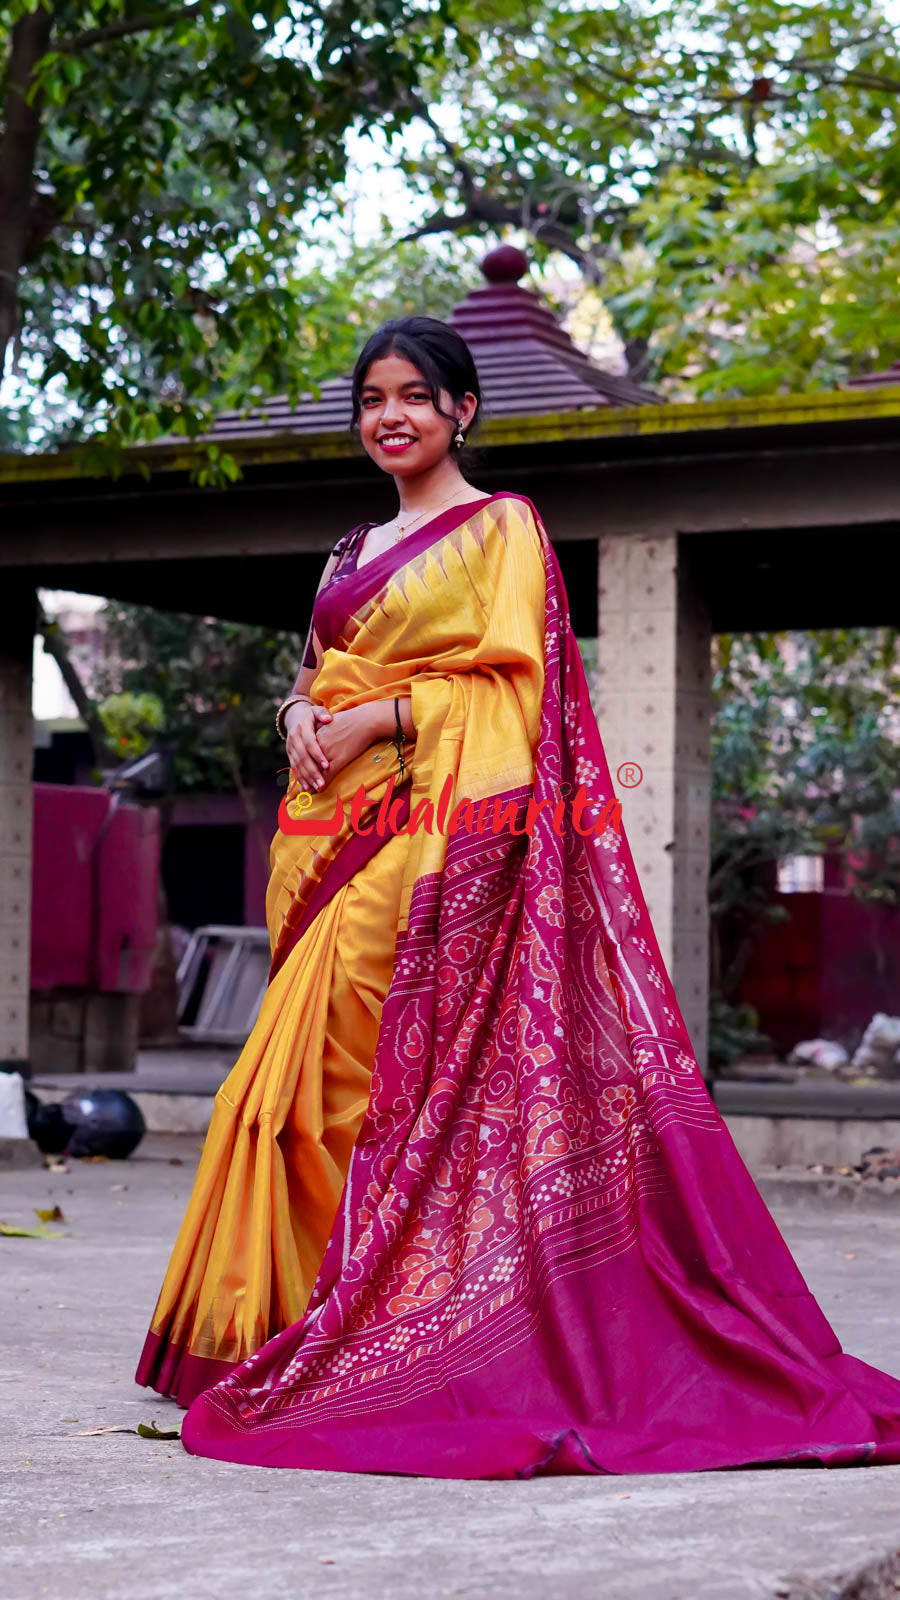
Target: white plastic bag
[[824, 1053]]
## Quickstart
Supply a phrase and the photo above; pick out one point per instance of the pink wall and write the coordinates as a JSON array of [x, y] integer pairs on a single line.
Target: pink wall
[[94, 890]]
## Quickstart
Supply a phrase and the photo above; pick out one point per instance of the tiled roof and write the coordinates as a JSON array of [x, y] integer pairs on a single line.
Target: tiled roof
[[527, 365], [875, 380]]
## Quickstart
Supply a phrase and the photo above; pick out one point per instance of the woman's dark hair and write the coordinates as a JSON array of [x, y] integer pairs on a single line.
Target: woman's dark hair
[[440, 353]]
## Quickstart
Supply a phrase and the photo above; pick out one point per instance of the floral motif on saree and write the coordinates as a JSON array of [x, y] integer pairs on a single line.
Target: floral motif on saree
[[548, 1255]]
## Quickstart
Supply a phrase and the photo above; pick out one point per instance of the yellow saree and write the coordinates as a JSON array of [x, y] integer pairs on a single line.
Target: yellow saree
[[470, 1110], [450, 621]]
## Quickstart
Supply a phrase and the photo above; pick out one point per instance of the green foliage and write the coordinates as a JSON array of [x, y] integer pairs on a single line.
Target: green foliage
[[804, 761], [727, 170], [336, 306], [746, 297], [217, 685], [130, 722], [166, 201]]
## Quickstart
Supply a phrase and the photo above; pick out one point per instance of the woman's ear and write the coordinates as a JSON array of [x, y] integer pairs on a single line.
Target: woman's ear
[[467, 409]]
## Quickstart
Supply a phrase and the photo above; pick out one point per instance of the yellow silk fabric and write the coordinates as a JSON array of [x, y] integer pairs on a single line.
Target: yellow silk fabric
[[460, 629], [283, 1129]]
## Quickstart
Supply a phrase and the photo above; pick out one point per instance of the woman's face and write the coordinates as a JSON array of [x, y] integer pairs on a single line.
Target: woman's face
[[398, 424]]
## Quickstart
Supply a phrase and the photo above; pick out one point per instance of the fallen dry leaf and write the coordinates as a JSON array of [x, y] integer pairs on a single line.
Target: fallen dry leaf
[[40, 1232], [54, 1214], [89, 1433]]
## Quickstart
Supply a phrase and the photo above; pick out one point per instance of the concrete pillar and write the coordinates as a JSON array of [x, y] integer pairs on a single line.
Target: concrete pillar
[[17, 619], [653, 710]]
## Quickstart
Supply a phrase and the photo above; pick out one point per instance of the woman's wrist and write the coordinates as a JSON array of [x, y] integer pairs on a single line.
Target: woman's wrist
[[382, 722], [289, 718], [284, 710]]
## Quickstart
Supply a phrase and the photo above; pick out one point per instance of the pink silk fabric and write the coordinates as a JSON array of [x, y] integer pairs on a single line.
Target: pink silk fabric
[[549, 1257]]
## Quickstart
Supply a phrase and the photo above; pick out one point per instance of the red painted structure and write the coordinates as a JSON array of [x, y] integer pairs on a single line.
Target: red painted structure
[[826, 970], [94, 891]]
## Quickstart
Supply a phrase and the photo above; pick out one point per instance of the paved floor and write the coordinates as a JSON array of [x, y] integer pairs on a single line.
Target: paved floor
[[118, 1517]]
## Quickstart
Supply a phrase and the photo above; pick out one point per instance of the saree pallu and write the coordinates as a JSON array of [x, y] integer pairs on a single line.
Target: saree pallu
[[547, 1256]]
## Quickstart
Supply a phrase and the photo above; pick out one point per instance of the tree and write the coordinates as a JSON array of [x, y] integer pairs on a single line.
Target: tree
[[727, 171], [154, 164], [724, 172]]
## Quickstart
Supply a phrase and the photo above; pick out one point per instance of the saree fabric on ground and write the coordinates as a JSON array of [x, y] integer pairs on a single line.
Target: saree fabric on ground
[[547, 1256]]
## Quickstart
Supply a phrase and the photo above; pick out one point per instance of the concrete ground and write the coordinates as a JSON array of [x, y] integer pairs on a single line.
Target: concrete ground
[[119, 1517]]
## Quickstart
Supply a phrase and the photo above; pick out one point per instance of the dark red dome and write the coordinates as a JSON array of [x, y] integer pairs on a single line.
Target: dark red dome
[[506, 264]]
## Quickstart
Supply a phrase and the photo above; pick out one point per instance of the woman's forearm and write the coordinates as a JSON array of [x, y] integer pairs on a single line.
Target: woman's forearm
[[383, 722]]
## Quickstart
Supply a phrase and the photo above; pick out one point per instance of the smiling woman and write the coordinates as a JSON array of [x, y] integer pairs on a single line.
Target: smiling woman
[[465, 1207], [415, 397]]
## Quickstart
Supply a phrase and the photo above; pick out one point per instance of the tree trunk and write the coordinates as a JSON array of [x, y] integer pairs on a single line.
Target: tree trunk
[[18, 149], [55, 645]]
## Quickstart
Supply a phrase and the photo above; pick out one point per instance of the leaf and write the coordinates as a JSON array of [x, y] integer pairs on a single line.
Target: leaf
[[10, 1231], [90, 1433], [151, 1430], [54, 1214]]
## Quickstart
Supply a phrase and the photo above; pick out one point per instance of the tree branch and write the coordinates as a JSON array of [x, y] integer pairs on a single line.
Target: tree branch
[[480, 207], [126, 27]]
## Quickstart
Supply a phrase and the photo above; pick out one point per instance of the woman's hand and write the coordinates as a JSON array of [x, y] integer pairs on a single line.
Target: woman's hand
[[304, 752], [320, 744]]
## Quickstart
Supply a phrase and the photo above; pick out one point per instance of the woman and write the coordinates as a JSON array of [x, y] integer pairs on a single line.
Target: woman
[[466, 1208]]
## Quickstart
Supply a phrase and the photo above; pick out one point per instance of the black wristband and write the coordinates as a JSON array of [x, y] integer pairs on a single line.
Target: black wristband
[[397, 741]]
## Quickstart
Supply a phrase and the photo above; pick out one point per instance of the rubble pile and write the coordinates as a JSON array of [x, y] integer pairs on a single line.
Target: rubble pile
[[878, 1167]]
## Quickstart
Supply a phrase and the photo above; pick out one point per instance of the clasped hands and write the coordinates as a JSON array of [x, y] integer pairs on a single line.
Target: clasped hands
[[321, 743]]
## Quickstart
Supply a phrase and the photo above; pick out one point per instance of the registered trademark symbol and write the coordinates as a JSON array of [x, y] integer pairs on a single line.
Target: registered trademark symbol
[[629, 775]]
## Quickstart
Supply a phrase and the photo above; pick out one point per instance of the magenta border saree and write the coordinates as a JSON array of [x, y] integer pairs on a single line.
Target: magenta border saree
[[549, 1256]]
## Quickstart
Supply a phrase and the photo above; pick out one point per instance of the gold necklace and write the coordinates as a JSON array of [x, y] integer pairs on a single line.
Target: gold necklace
[[430, 512]]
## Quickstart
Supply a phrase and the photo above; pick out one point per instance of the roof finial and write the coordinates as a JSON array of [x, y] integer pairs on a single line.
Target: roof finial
[[506, 264]]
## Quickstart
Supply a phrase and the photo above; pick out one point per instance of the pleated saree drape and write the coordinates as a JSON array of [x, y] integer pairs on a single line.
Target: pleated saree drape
[[539, 1250]]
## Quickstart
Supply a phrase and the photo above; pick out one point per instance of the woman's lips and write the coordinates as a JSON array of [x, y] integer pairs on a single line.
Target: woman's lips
[[396, 447]]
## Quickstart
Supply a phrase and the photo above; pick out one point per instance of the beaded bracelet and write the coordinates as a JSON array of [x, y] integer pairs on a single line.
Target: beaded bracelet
[[292, 700]]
